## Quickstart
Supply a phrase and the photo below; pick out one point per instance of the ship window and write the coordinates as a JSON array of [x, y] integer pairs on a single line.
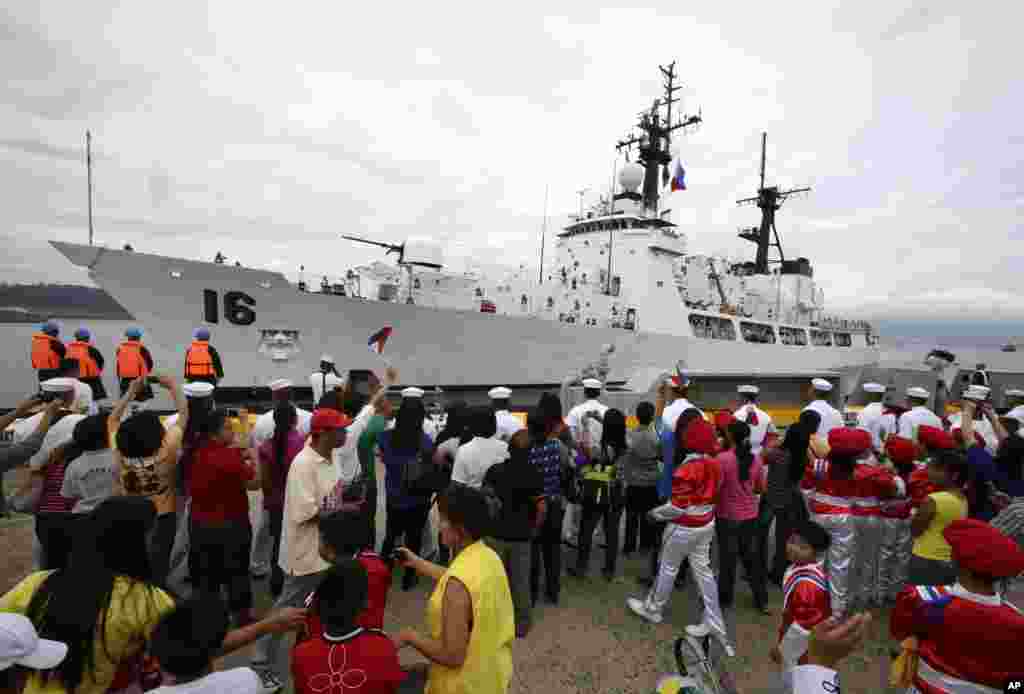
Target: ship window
[[844, 340], [712, 327], [821, 338], [265, 284], [551, 302], [793, 336], [176, 274], [757, 332], [660, 283]]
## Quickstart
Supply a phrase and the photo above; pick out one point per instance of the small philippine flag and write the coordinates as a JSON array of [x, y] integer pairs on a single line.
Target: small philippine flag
[[678, 176], [377, 340]]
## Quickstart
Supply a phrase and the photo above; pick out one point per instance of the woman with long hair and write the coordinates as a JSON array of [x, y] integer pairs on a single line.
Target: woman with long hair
[[275, 458], [407, 508], [736, 516], [931, 560], [103, 605], [554, 459], [602, 495]]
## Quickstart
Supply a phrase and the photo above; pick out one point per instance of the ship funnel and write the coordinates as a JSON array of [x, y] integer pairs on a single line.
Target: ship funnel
[[631, 176]]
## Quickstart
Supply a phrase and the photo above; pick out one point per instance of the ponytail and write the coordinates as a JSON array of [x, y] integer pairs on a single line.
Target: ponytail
[[739, 432], [284, 422]]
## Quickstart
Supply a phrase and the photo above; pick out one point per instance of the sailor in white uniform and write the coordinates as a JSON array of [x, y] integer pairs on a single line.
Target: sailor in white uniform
[[873, 419], [585, 425], [1015, 417], [761, 426], [982, 426], [680, 388], [830, 416], [319, 378], [263, 429], [429, 425], [506, 423], [918, 414]]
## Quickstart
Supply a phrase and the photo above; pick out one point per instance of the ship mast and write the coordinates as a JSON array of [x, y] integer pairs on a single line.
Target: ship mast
[[88, 174], [654, 140], [769, 200]]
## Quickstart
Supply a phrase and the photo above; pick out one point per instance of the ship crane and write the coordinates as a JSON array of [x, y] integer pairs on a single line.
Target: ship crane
[[399, 249], [769, 200], [717, 279]]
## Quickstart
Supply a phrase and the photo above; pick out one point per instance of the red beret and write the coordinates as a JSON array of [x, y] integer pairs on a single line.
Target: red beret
[[934, 438], [900, 450], [700, 437], [849, 442], [983, 549], [723, 418]]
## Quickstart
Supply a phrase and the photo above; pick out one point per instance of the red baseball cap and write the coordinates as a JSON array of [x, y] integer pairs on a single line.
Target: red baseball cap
[[326, 419]]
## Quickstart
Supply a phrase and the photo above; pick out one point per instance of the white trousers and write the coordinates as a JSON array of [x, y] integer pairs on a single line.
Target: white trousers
[[839, 560], [894, 557], [571, 524], [262, 544], [867, 546], [679, 542]]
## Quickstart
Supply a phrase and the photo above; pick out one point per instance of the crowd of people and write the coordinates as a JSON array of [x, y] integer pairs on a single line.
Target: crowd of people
[[146, 555]]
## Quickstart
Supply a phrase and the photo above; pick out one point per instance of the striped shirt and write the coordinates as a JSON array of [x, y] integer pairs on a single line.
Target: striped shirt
[[549, 459], [51, 500], [1010, 521]]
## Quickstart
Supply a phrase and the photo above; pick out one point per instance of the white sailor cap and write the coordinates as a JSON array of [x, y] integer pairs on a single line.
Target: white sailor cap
[[327, 358], [1015, 393], [748, 390], [873, 388], [280, 384], [499, 393], [592, 384], [821, 385], [412, 392], [917, 392], [198, 389], [58, 385]]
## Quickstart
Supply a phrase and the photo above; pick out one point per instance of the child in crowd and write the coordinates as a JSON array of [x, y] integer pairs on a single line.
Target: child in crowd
[[344, 655], [806, 598]]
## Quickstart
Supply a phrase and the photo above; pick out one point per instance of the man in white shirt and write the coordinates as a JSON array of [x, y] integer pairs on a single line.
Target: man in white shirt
[[83, 403], [910, 421], [321, 380], [1015, 401], [679, 388], [873, 419], [982, 427], [475, 458], [762, 429], [585, 426], [507, 424], [830, 416]]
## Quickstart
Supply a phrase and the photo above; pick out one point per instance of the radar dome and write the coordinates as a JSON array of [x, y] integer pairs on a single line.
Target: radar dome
[[631, 176]]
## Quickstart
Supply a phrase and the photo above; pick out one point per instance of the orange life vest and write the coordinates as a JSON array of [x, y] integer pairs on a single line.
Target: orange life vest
[[198, 362], [87, 366], [130, 363], [43, 356]]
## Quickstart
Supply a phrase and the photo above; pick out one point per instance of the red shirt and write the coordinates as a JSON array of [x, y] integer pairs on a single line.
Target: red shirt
[[373, 616], [695, 488], [217, 485], [364, 661]]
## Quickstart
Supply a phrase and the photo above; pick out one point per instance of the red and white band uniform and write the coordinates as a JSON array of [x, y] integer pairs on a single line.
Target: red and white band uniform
[[895, 549], [867, 519], [806, 603]]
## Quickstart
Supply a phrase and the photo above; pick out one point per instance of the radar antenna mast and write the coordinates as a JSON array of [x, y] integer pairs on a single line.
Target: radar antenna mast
[[769, 200]]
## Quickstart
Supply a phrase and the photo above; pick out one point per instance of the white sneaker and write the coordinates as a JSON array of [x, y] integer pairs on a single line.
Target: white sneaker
[[269, 682], [700, 631], [639, 608]]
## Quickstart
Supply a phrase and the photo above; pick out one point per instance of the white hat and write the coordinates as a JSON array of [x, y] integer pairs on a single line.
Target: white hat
[[21, 645], [977, 393], [58, 385], [499, 393], [281, 384], [748, 390], [821, 385], [873, 388], [592, 384], [1014, 393], [198, 389], [327, 358], [917, 392], [412, 392]]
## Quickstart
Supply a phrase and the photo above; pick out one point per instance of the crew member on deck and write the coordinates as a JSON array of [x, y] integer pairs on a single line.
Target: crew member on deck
[[910, 421], [202, 363], [830, 416], [90, 363], [318, 379], [873, 419], [762, 429], [507, 424], [47, 351], [133, 359]]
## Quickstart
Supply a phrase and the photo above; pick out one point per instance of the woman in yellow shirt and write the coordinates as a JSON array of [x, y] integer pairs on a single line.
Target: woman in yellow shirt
[[931, 563], [103, 606], [470, 614]]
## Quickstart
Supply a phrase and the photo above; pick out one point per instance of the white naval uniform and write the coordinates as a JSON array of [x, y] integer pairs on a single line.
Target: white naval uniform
[[830, 417], [507, 424], [318, 380], [912, 420], [873, 420], [758, 432], [671, 414], [575, 421], [981, 426], [83, 403]]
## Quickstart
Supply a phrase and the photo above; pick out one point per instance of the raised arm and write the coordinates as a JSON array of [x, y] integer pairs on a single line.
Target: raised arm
[[129, 396], [22, 410]]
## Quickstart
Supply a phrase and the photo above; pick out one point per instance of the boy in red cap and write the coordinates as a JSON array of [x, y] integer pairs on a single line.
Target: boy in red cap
[[968, 636], [897, 542], [690, 515]]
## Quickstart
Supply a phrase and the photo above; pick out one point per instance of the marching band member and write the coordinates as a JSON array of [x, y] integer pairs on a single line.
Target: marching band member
[[897, 542]]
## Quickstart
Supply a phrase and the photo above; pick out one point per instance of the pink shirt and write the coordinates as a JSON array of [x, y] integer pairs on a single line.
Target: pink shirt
[[736, 500]]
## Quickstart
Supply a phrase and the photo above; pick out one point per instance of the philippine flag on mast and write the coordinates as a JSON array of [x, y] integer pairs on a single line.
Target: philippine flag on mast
[[377, 340], [678, 175]]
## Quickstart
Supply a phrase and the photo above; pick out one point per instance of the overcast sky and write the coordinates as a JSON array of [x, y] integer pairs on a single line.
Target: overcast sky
[[266, 130]]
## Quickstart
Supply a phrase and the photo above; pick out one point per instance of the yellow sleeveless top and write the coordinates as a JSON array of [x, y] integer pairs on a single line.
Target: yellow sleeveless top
[[931, 544], [488, 665]]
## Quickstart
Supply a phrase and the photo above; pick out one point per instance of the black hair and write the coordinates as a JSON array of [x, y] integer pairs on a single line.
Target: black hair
[[214, 423], [407, 436], [190, 637], [465, 507], [140, 436], [346, 532], [685, 417], [613, 434], [331, 400], [342, 595], [739, 433], [90, 434], [68, 366], [482, 422], [1010, 457], [456, 424], [814, 535], [199, 410], [796, 442], [549, 411], [955, 464], [72, 604], [645, 413], [285, 417], [591, 393]]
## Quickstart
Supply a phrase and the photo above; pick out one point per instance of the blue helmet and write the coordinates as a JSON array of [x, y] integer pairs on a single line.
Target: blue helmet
[[51, 328], [83, 334], [133, 333], [202, 334]]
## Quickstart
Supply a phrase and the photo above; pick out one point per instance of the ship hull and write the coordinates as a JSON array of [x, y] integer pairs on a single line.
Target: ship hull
[[265, 329]]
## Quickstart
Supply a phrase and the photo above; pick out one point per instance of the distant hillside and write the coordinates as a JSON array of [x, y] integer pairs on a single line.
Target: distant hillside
[[31, 303]]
